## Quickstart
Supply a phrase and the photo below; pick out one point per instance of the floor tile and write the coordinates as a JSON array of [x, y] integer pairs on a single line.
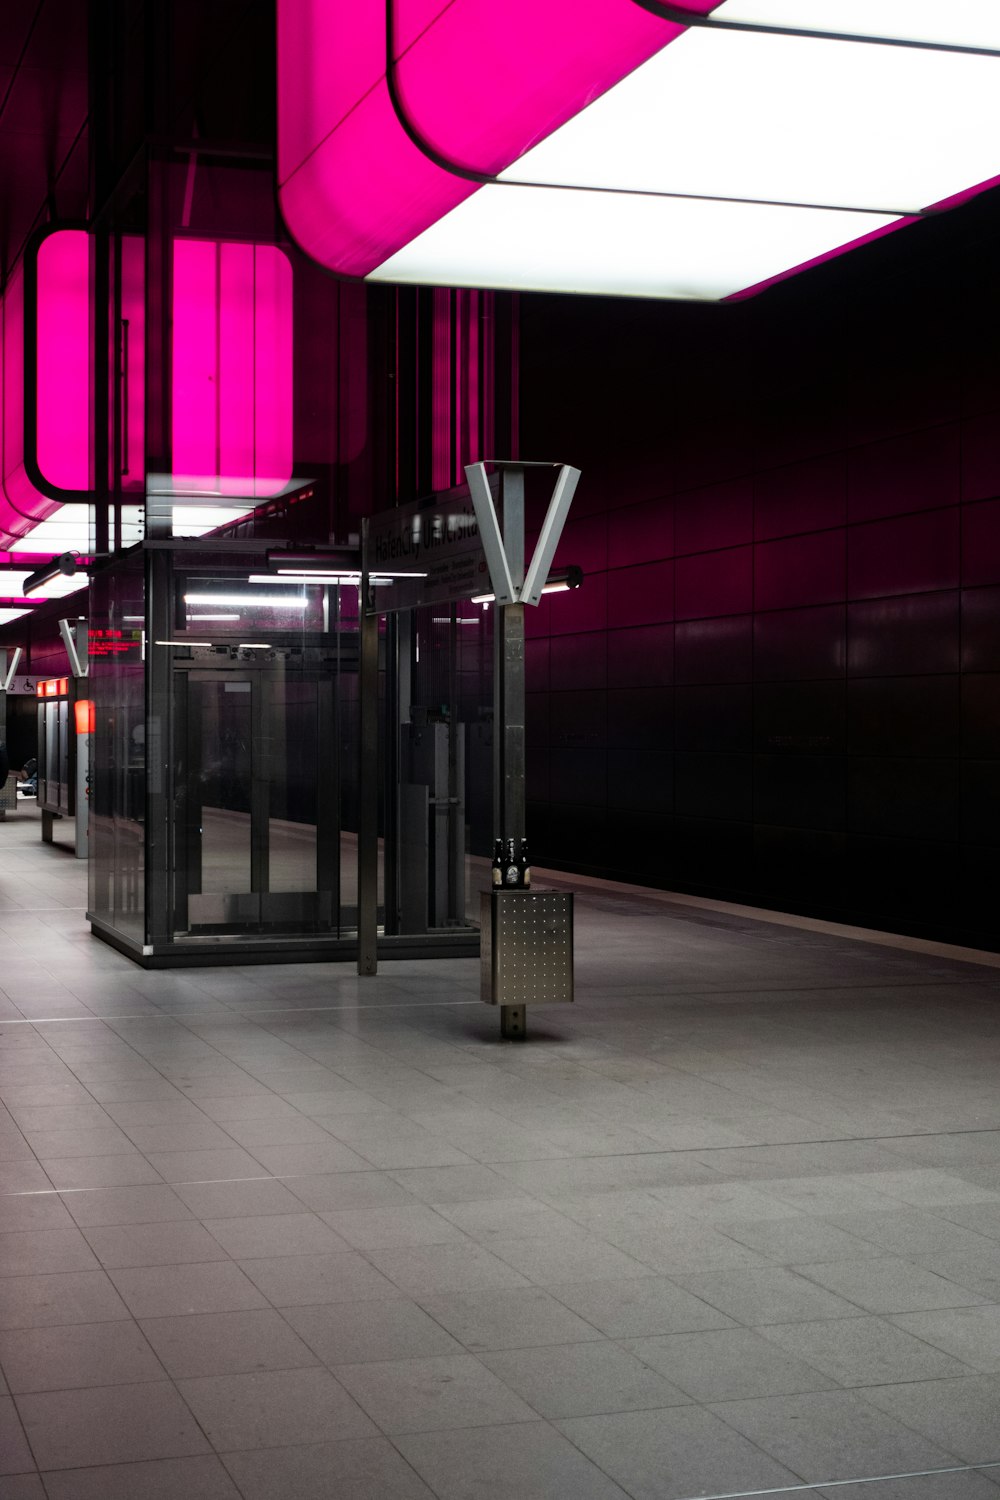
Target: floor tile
[[966, 1486], [15, 1454], [339, 1192], [800, 1240], [509, 1218], [384, 1228], [204, 1166], [301, 1161], [515, 1318], [167, 1291], [347, 1333], [275, 1234], [578, 1257], [911, 1233], [833, 1434], [108, 1425], [125, 1169], [73, 1355], [866, 1351], [355, 1469], [162, 1479], [237, 1200], [274, 1408], [292, 1129], [422, 1270], [974, 1270], [226, 1343], [455, 1184], [301, 1280], [578, 1380], [41, 1251], [728, 1364], [633, 1308], [21, 1487], [34, 1211], [971, 1334], [420, 1395], [126, 1205], [673, 1454], [772, 1296], [505, 1463], [889, 1285], [73, 1297], [165, 1244], [86, 1141]]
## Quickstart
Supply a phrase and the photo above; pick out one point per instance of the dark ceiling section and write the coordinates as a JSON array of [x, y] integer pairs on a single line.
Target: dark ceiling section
[[43, 116]]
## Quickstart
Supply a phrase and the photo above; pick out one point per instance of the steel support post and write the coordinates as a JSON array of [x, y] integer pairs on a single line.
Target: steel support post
[[508, 701], [367, 782]]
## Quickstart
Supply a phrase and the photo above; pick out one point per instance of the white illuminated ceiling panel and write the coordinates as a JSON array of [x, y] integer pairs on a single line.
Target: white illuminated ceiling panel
[[732, 157], [558, 240], [960, 23], [785, 118]]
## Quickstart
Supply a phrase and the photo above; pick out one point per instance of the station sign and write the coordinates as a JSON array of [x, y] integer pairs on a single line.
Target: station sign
[[429, 552]]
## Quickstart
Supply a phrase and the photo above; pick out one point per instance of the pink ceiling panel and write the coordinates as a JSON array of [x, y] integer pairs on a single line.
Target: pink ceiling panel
[[485, 82], [479, 82]]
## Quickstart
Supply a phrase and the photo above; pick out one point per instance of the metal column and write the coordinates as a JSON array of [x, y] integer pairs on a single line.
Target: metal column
[[508, 700], [367, 777]]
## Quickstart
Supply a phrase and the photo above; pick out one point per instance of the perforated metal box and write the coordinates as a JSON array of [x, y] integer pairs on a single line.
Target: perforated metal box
[[8, 795], [527, 947]]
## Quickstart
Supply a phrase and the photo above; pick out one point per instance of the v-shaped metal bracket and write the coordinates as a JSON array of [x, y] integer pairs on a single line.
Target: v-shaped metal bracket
[[505, 589], [7, 681]]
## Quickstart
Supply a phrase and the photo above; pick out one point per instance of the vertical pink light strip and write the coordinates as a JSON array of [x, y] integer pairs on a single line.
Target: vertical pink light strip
[[237, 411], [441, 387], [470, 381], [63, 350], [273, 409], [133, 301], [232, 409], [194, 409]]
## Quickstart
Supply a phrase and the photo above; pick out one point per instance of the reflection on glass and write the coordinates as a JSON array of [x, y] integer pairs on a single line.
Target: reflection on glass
[[294, 786], [220, 784]]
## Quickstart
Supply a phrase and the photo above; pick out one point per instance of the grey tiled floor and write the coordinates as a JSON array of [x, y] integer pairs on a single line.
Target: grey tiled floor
[[730, 1224]]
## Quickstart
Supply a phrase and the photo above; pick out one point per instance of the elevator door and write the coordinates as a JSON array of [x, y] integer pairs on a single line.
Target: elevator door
[[256, 835]]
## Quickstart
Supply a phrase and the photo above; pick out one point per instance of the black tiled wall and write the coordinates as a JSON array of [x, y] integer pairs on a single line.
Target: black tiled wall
[[780, 681]]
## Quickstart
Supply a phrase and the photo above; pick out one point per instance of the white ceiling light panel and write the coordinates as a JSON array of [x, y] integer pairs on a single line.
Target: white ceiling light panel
[[732, 157]]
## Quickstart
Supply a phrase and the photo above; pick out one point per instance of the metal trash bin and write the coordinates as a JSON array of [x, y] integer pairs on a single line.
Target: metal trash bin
[[526, 952], [8, 796]]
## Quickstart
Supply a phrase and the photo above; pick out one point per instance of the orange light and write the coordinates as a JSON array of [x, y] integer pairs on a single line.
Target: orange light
[[83, 708]]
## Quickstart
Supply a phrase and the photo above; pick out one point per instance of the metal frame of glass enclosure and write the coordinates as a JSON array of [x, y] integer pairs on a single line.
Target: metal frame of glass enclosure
[[228, 731]]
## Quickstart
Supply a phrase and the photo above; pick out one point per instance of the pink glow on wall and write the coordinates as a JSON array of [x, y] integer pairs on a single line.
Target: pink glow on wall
[[441, 391], [232, 367], [482, 82], [63, 371]]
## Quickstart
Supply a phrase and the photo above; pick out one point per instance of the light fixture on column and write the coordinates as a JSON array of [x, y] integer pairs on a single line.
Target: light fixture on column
[[66, 564], [558, 581]]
